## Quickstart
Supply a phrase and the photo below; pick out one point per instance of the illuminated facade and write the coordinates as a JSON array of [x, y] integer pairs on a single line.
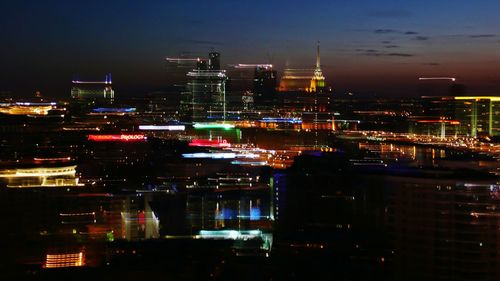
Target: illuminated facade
[[480, 113], [40, 177], [93, 89], [65, 260], [470, 116], [27, 108]]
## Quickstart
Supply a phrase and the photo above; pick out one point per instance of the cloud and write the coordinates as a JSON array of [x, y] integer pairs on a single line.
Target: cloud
[[470, 36], [432, 63], [366, 50], [482, 36], [392, 14], [393, 31], [399, 55], [422, 38], [386, 42], [386, 31], [392, 46], [378, 53]]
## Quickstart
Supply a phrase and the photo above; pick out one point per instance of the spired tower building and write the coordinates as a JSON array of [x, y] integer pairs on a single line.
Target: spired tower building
[[303, 80], [318, 80]]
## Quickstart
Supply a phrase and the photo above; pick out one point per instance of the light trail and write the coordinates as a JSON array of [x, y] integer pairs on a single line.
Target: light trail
[[250, 66], [184, 59], [437, 78], [90, 82], [297, 77]]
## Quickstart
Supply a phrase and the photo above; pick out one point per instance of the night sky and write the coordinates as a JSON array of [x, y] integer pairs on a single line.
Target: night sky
[[367, 46]]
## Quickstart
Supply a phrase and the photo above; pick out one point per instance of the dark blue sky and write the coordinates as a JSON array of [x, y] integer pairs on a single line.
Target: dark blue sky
[[379, 46]]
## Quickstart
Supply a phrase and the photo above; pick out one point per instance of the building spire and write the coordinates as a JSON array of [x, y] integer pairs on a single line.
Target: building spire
[[318, 80], [318, 65]]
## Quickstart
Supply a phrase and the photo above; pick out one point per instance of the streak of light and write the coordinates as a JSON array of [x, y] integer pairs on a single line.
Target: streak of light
[[437, 78], [184, 59]]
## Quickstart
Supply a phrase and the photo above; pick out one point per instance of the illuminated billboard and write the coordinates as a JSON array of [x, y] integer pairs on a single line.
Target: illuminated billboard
[[118, 137]]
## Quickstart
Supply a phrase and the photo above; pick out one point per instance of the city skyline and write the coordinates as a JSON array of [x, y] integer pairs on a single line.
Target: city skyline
[[363, 46], [250, 140]]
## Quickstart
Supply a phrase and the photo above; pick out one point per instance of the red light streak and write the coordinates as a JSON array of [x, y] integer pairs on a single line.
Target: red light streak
[[209, 143]]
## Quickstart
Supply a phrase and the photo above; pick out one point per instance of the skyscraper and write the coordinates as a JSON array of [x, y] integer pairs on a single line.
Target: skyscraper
[[205, 98], [318, 80], [264, 85]]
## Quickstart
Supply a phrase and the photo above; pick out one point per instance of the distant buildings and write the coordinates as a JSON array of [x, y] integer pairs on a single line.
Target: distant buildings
[[27, 108], [42, 176], [95, 90], [470, 116], [480, 113]]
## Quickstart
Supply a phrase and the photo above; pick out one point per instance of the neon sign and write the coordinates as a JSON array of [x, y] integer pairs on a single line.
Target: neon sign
[[121, 137]]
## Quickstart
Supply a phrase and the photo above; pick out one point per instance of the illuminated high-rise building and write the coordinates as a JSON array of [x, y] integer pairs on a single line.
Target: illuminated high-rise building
[[95, 90], [480, 114], [205, 98], [318, 80]]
